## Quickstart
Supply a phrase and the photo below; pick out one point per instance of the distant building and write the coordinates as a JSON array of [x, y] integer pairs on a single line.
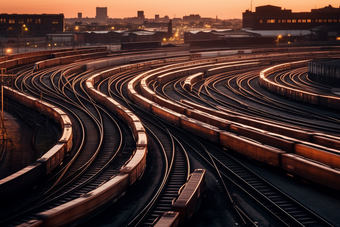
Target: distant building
[[192, 18], [30, 25], [170, 28], [110, 37], [221, 34], [157, 17], [274, 18], [80, 15], [101, 13], [140, 15]]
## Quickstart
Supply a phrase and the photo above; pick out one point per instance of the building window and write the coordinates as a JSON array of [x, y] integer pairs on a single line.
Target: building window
[[38, 21], [309, 21], [10, 28], [261, 21], [54, 21], [299, 21], [294, 21], [330, 20], [21, 21], [324, 20], [320, 20], [303, 20], [289, 21], [335, 20], [29, 20], [11, 21], [2, 20], [270, 21], [278, 21], [283, 21]]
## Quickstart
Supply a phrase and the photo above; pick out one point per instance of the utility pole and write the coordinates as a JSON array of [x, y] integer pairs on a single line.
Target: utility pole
[[3, 71]]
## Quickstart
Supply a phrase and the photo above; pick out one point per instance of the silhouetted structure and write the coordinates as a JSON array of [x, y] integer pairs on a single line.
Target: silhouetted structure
[[101, 13], [274, 18], [192, 18], [37, 25], [140, 15]]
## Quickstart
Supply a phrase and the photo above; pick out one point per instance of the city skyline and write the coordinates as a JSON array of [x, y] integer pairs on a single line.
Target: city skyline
[[129, 8]]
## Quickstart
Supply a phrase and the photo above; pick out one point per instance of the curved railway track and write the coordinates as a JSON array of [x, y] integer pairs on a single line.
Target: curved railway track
[[103, 143]]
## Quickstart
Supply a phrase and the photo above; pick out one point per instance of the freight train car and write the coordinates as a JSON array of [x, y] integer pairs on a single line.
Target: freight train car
[[247, 144], [295, 94], [28, 177], [189, 199]]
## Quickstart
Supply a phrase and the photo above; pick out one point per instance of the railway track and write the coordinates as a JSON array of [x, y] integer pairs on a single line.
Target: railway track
[[287, 210], [96, 163], [65, 86], [177, 165]]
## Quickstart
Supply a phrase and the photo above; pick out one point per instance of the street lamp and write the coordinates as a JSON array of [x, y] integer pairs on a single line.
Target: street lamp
[[23, 29], [278, 40], [8, 51]]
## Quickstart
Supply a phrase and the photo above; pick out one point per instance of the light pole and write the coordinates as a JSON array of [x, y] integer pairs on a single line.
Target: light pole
[[278, 40], [23, 29]]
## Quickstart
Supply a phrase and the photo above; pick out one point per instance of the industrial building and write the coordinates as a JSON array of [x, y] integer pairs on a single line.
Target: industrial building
[[30, 25], [275, 18], [101, 13], [140, 15]]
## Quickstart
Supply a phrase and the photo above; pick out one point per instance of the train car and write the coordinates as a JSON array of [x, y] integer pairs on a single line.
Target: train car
[[188, 201], [295, 94], [252, 149], [86, 204], [168, 104], [168, 219], [136, 166], [46, 109], [330, 102], [21, 181], [52, 158], [200, 129], [327, 156], [167, 114], [67, 137], [208, 118], [327, 140], [263, 137], [143, 102], [278, 129], [311, 170], [141, 140], [217, 113], [190, 80], [19, 97]]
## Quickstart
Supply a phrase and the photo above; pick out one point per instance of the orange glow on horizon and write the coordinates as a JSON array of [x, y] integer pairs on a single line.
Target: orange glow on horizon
[[175, 8]]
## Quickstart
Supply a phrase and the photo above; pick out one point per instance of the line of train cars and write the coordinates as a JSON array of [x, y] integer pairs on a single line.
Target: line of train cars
[[76, 209], [27, 178], [295, 94], [111, 190], [190, 197], [187, 203], [313, 160], [16, 60], [68, 57]]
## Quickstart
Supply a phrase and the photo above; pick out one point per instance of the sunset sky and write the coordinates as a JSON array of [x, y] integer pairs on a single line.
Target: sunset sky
[[224, 9]]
